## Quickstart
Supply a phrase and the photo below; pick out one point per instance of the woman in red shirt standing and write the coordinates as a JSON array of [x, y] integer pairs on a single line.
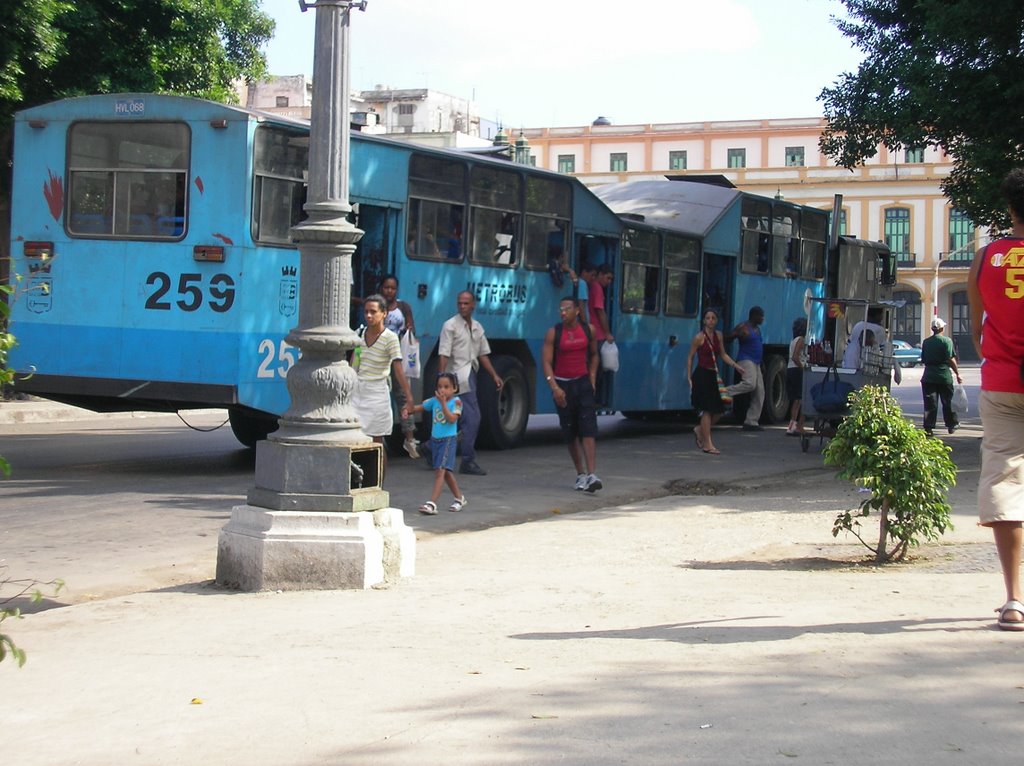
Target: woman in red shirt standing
[[996, 292], [708, 346]]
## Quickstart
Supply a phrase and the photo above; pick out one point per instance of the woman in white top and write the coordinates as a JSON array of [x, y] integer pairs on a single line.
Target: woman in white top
[[375, 362], [795, 377]]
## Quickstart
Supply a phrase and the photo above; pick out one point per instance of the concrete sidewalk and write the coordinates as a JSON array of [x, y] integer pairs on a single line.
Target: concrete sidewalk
[[35, 410], [731, 629]]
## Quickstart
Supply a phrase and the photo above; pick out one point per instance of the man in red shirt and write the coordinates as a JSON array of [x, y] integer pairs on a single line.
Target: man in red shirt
[[996, 292], [569, 360]]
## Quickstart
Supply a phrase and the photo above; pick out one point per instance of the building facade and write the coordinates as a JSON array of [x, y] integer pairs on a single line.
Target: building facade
[[893, 197]]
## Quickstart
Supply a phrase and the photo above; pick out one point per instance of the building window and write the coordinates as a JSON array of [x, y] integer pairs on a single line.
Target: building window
[[842, 222], [737, 158], [961, 237], [794, 156], [281, 101], [618, 162], [677, 160], [914, 155], [897, 234], [907, 318], [406, 108], [566, 163]]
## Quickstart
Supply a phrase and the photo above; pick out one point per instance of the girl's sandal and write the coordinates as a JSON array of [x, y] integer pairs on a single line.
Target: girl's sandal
[[458, 505], [1011, 606], [429, 508]]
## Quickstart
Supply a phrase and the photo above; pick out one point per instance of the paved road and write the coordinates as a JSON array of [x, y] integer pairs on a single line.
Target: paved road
[[125, 505]]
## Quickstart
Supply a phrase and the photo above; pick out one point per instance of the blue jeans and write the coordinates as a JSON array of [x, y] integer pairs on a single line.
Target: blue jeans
[[469, 422]]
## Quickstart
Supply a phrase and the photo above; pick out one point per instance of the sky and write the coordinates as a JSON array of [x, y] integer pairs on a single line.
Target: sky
[[566, 62]]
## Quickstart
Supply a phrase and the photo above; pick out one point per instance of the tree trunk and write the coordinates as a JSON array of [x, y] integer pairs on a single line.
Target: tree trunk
[[883, 532]]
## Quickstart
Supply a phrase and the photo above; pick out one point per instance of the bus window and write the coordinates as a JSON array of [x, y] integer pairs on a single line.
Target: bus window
[[548, 210], [814, 233], [495, 203], [682, 276], [127, 180], [641, 272], [437, 204], [785, 242], [757, 237], [280, 159]]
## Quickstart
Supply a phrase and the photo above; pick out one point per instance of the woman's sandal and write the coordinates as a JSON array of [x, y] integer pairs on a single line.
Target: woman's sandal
[[696, 436], [429, 508], [1011, 606], [712, 451]]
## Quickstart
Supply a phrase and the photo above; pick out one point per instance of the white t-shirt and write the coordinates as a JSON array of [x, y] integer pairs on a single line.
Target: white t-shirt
[[851, 357]]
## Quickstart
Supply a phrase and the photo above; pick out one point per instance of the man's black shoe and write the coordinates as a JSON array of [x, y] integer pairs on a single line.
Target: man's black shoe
[[748, 427], [470, 467]]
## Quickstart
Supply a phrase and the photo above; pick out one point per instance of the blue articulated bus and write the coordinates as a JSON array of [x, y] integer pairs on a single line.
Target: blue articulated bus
[[151, 235]]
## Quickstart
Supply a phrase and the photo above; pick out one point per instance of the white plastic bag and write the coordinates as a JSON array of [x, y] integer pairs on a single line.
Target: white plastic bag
[[959, 401], [610, 356], [410, 355]]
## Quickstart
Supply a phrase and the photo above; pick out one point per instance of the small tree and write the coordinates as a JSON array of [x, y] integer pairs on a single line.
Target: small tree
[[907, 473]]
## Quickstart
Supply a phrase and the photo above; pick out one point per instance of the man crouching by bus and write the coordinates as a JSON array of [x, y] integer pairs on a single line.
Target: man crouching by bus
[[570, 364], [749, 358]]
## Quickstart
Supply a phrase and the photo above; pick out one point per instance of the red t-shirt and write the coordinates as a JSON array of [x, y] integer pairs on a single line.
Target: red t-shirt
[[571, 356], [1001, 283]]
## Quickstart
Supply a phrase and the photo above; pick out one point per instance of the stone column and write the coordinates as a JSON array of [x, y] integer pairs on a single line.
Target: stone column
[[317, 516]]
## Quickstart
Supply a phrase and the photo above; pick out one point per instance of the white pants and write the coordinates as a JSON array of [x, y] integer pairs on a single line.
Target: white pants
[[753, 384]]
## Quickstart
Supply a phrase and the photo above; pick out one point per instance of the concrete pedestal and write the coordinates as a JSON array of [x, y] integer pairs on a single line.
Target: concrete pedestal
[[261, 549], [316, 519]]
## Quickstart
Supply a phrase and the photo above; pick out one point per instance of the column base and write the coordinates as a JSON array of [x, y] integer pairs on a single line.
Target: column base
[[262, 549]]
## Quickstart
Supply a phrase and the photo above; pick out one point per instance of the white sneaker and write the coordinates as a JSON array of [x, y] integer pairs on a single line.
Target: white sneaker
[[593, 483], [581, 482], [409, 445]]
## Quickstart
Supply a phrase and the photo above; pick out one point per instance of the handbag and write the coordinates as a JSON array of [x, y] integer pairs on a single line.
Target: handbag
[[959, 400], [723, 394], [410, 347], [831, 394]]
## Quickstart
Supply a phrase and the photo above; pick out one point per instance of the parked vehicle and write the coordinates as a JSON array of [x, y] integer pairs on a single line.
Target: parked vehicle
[[904, 354]]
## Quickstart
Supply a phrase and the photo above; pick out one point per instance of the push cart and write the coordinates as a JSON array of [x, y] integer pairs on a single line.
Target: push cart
[[874, 369]]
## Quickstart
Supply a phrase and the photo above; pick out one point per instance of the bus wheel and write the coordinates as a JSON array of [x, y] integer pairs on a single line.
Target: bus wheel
[[776, 403], [250, 426], [503, 414]]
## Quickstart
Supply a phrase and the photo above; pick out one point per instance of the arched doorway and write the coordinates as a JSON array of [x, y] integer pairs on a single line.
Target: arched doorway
[[960, 326], [906, 320]]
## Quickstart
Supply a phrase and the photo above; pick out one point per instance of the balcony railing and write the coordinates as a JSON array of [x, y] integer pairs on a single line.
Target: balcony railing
[[957, 259], [906, 260]]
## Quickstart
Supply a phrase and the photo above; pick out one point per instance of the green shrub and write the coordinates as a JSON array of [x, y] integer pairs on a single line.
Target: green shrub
[[907, 473]]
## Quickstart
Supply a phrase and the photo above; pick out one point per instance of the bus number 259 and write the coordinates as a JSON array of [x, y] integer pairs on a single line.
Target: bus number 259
[[221, 290]]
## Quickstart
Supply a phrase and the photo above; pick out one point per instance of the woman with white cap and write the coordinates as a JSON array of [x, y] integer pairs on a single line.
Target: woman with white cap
[[939, 359]]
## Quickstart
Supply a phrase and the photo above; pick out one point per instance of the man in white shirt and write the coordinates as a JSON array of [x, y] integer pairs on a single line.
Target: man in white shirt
[[463, 347], [851, 357]]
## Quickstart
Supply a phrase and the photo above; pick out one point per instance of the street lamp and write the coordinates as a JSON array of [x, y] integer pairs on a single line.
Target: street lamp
[[317, 516]]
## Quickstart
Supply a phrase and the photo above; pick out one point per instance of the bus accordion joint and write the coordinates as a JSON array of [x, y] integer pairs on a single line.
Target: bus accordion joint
[[37, 249], [208, 253]]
